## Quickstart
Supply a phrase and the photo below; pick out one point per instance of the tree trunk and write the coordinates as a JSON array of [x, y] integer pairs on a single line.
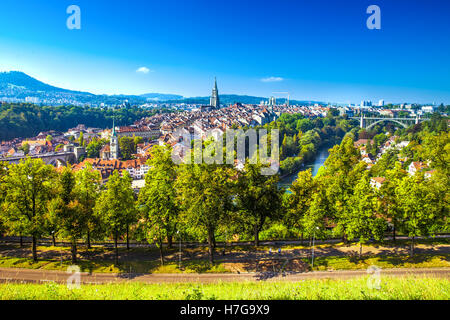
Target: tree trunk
[[214, 241], [360, 250], [53, 240], [21, 241], [393, 233], [161, 254], [34, 249], [412, 246], [210, 246], [74, 251], [116, 259], [256, 235], [88, 239], [169, 242], [128, 240], [301, 239]]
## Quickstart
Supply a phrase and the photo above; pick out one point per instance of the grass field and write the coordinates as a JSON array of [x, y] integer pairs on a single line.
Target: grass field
[[408, 288], [384, 261]]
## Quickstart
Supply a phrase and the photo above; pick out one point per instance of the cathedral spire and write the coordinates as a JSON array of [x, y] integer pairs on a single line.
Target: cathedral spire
[[214, 101], [114, 127]]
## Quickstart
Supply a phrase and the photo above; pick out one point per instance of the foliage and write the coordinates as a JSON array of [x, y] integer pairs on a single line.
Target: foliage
[[258, 198], [115, 206], [27, 120], [127, 147], [206, 195], [28, 188], [158, 199]]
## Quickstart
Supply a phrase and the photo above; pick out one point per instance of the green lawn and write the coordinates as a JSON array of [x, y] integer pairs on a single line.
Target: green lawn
[[385, 262], [408, 288]]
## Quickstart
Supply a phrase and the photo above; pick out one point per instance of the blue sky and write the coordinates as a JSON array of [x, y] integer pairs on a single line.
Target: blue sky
[[319, 50]]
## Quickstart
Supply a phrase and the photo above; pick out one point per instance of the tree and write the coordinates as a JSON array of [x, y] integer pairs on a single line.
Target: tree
[[28, 188], [87, 189], [419, 207], [94, 147], [386, 162], [127, 148], [137, 140], [158, 199], [25, 148], [299, 200], [115, 205], [206, 195], [390, 203], [258, 198], [363, 221], [304, 125], [67, 212], [3, 173], [59, 147], [436, 147], [81, 139], [423, 206], [314, 220], [342, 170]]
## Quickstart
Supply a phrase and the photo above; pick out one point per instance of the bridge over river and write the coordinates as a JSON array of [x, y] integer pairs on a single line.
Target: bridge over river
[[369, 122], [52, 158]]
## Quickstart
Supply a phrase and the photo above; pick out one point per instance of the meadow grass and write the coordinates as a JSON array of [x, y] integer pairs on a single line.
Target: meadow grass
[[392, 288], [382, 261]]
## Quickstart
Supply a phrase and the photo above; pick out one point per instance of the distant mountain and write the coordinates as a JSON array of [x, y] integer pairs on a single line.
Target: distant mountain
[[161, 96], [17, 86], [20, 82]]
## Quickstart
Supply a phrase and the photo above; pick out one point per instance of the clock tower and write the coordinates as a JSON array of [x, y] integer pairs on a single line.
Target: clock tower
[[114, 143]]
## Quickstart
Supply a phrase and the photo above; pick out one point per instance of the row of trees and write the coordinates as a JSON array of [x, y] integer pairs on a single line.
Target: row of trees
[[203, 201], [341, 196]]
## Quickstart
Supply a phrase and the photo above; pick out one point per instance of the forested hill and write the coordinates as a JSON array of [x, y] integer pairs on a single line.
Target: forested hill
[[27, 120], [19, 85]]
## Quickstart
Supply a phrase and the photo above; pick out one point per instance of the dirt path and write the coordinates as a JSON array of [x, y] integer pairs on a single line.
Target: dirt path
[[43, 276], [105, 254]]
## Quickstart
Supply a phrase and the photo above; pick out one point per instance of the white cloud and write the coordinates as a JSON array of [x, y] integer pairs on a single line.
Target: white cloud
[[272, 79], [144, 70]]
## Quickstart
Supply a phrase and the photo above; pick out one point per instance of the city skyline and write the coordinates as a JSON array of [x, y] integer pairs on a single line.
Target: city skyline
[[322, 51]]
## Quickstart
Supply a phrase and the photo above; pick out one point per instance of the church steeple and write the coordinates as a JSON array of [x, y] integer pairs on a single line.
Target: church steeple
[[214, 101], [114, 143], [114, 129]]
